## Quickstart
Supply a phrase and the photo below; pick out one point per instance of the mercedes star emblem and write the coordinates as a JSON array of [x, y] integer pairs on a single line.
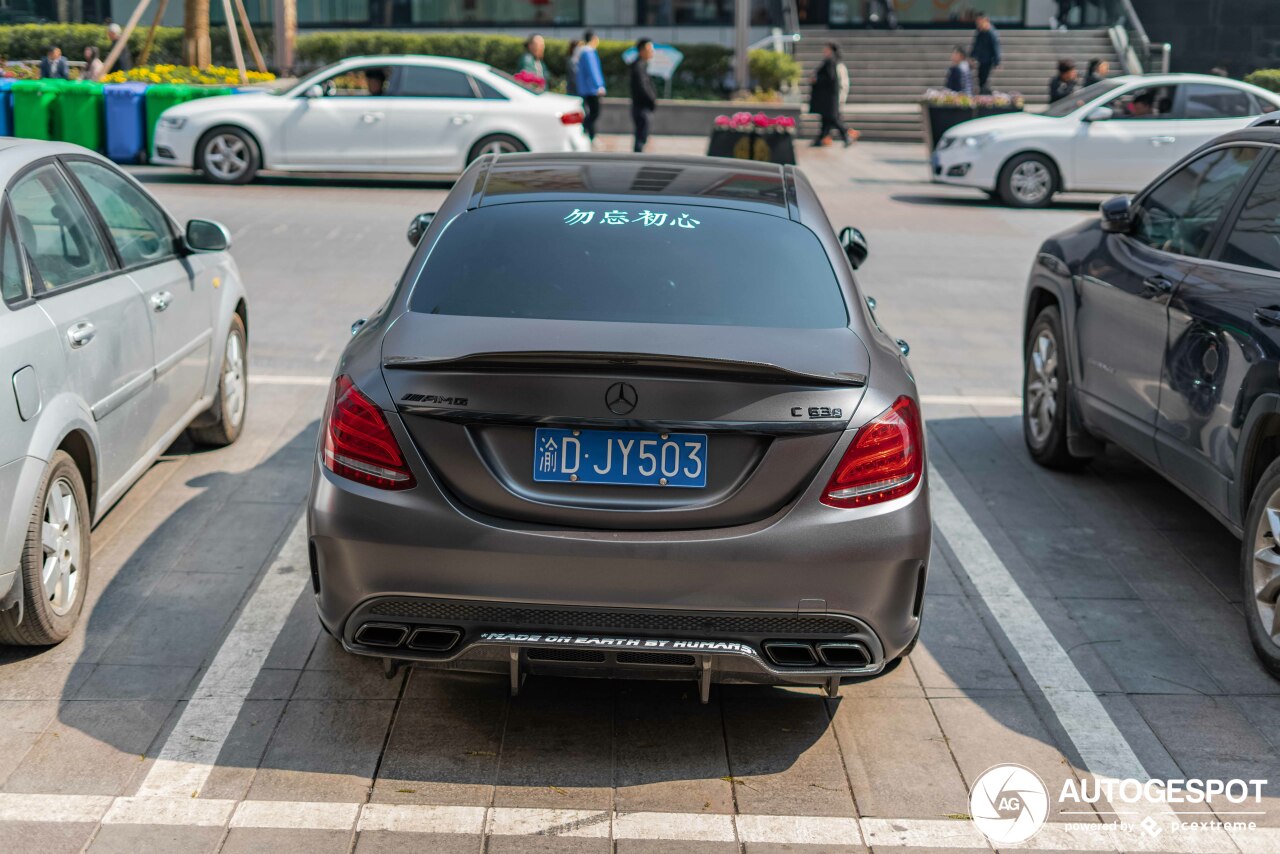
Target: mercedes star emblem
[[621, 398]]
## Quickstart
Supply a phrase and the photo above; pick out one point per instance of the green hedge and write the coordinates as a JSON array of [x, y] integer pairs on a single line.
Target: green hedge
[[1267, 78], [702, 73]]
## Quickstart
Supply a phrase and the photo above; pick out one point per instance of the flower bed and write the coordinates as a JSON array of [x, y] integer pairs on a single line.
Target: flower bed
[[943, 109], [216, 75], [745, 136]]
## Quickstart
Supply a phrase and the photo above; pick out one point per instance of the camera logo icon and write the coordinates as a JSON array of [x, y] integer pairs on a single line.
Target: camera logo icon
[[1009, 804]]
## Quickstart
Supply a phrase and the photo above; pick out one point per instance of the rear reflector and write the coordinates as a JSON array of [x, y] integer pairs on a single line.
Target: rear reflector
[[574, 118], [358, 442], [885, 460]]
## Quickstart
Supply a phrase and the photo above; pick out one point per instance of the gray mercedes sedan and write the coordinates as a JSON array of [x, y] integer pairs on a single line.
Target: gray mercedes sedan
[[628, 416]]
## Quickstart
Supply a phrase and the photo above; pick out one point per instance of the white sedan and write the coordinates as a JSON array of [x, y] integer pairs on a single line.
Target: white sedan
[[413, 114], [1114, 136]]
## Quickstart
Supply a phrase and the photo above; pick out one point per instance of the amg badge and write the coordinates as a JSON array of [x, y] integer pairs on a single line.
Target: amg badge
[[436, 399]]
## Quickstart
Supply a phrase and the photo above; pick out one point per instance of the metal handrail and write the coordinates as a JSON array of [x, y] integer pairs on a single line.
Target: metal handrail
[[1150, 57]]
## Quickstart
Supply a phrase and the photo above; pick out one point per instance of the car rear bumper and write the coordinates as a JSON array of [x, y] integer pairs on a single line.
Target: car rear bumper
[[808, 575]]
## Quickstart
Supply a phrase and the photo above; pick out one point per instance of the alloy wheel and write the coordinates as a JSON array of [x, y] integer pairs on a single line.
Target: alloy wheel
[[1266, 568], [498, 146], [1030, 182], [226, 156], [233, 380], [1042, 386], [60, 542]]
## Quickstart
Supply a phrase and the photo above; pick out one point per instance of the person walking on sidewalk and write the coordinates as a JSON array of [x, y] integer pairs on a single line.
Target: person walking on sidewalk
[[1066, 83], [590, 81], [985, 51], [824, 95], [960, 75], [531, 62], [644, 97], [571, 67]]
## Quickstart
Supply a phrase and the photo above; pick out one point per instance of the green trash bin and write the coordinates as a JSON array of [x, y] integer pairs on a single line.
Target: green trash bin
[[33, 107], [77, 114], [162, 96]]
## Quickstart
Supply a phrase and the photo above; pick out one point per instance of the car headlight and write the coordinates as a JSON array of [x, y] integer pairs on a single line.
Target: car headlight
[[946, 142], [977, 140], [172, 122]]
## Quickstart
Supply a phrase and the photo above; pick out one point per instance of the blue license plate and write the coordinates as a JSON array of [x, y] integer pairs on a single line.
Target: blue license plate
[[620, 458]]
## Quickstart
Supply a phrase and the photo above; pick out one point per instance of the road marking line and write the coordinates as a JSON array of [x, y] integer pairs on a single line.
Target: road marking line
[[295, 815], [286, 379], [415, 818], [189, 754], [53, 808], [685, 827], [798, 829], [511, 821], [922, 833], [184, 812], [1102, 747]]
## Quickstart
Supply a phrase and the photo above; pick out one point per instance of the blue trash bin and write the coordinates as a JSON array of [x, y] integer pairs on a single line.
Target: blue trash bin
[[126, 122], [6, 106]]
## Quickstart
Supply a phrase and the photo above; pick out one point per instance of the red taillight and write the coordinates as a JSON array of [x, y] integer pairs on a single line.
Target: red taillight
[[885, 459], [358, 443], [572, 118]]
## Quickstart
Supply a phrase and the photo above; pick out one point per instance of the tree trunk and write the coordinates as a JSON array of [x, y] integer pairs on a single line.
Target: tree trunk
[[285, 26], [196, 49]]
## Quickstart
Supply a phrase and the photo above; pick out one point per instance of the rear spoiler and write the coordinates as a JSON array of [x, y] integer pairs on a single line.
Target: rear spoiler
[[536, 361]]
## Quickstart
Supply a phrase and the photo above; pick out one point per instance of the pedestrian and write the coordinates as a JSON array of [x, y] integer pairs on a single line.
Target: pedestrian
[[92, 65], [1065, 83], [985, 51], [872, 10], [824, 95], [54, 65], [1064, 12], [571, 67], [590, 81], [644, 97], [531, 62], [960, 75], [1099, 68], [124, 61]]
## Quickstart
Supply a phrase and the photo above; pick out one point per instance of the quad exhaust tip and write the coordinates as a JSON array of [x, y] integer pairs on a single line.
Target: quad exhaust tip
[[791, 653], [842, 654], [417, 638], [381, 634], [434, 639]]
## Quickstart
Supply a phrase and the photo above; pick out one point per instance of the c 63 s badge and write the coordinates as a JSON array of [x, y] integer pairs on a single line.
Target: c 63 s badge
[[817, 412]]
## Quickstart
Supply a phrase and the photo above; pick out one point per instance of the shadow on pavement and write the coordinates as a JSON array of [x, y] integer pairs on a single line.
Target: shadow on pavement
[[980, 199]]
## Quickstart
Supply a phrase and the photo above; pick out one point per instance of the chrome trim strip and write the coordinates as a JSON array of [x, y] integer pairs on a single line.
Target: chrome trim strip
[[120, 396]]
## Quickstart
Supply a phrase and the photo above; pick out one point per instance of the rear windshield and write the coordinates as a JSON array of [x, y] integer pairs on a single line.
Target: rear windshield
[[631, 262]]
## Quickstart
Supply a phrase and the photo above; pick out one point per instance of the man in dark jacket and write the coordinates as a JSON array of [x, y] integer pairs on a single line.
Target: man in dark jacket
[[985, 51], [644, 98], [1066, 83], [54, 65], [824, 95]]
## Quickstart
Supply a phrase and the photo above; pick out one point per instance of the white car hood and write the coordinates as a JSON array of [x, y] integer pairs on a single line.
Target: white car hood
[[1004, 123]]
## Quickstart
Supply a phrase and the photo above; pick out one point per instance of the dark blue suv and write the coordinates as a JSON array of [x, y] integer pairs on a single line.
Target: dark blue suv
[[1157, 327]]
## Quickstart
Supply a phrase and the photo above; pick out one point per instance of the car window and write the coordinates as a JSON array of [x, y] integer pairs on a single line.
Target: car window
[[13, 286], [1254, 240], [1145, 102], [1206, 101], [1181, 213], [356, 83], [421, 81], [138, 227], [55, 230], [631, 262], [1067, 106], [487, 91]]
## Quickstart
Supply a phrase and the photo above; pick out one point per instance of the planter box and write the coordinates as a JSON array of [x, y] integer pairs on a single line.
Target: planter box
[[750, 145], [940, 119]]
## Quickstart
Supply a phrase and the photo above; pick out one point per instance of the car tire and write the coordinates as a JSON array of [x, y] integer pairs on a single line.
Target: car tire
[[495, 143], [228, 155], [1260, 569], [222, 423], [57, 547], [1046, 394], [1028, 181]]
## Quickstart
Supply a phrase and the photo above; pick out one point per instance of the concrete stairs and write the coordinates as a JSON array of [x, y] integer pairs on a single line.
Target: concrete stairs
[[890, 70]]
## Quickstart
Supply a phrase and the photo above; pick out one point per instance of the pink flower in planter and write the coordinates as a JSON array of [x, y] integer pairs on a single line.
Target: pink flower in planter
[[785, 122], [722, 121], [760, 120], [742, 118]]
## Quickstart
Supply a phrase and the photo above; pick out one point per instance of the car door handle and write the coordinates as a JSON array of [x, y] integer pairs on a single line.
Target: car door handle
[[462, 118], [1163, 140], [1268, 315], [371, 118], [160, 300], [1157, 285], [81, 334]]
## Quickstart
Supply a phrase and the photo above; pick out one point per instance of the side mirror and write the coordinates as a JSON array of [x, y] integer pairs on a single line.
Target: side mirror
[[314, 91], [855, 246], [1100, 114], [1117, 215], [204, 235], [418, 226]]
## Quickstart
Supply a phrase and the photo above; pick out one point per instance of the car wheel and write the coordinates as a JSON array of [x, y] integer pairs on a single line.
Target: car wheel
[[55, 560], [222, 423], [228, 155], [1045, 394], [498, 143], [1028, 181], [1260, 569]]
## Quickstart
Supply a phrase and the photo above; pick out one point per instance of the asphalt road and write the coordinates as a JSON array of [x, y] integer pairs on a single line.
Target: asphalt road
[[1085, 626]]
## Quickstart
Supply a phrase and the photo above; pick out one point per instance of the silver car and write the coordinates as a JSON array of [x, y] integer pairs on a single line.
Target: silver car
[[118, 330], [625, 415]]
